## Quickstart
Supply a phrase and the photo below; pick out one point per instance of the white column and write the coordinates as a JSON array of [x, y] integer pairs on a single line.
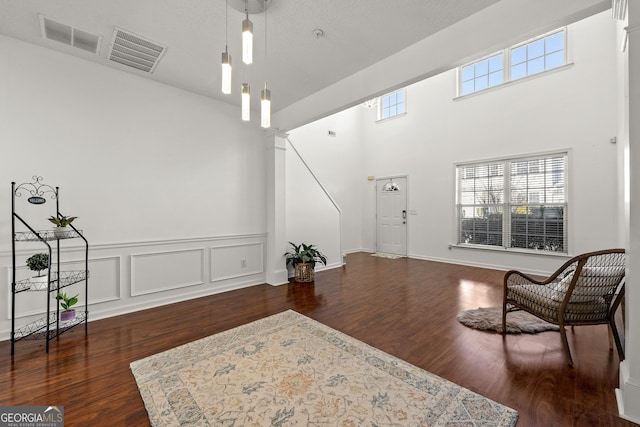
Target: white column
[[628, 393], [276, 270]]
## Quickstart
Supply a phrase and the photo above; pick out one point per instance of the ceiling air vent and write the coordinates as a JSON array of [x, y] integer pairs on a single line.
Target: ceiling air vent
[[63, 33], [135, 51]]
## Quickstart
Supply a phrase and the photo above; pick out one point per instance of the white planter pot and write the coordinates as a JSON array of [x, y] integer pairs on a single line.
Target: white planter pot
[[39, 282], [59, 232]]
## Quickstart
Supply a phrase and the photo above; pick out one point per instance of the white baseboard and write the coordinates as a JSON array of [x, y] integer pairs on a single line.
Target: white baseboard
[[628, 395], [479, 264]]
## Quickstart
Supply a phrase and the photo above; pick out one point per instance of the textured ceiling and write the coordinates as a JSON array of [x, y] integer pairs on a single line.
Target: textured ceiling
[[358, 35]]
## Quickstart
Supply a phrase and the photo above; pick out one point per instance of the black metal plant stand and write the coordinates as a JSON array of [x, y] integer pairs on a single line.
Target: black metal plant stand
[[49, 326]]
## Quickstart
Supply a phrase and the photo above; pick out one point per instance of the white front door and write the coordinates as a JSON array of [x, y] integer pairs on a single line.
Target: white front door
[[391, 215]]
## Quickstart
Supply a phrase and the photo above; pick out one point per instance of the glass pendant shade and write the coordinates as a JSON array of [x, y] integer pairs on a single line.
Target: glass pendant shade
[[246, 102], [265, 108], [247, 41], [226, 72]]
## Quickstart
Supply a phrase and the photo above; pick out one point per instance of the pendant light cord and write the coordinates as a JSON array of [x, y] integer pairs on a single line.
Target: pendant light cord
[[266, 69], [226, 25]]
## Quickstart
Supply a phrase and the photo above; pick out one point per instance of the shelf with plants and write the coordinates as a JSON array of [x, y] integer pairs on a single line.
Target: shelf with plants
[[38, 330], [55, 320], [46, 235], [67, 278]]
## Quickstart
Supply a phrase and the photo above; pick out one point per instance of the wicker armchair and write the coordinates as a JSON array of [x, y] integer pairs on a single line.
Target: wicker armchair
[[586, 290]]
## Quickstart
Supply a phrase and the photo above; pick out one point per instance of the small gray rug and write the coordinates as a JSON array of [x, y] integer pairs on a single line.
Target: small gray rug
[[490, 319]]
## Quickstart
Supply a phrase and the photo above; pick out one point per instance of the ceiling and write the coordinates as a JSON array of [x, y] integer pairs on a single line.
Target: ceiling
[[357, 34]]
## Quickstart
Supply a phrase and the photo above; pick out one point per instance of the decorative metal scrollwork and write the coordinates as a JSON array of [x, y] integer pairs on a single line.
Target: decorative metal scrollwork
[[36, 189]]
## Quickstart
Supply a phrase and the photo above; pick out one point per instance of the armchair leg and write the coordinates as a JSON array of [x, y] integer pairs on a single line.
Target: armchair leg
[[614, 330], [565, 345], [504, 318]]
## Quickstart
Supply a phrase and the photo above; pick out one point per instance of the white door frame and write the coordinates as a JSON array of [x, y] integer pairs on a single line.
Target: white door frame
[[406, 240]]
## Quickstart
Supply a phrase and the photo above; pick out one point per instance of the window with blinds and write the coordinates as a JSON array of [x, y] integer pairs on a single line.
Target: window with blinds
[[514, 203]]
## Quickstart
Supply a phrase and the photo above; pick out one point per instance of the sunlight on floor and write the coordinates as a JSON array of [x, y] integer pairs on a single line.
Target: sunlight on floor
[[478, 294]]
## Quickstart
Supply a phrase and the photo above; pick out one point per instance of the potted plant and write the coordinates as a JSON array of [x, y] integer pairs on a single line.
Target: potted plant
[[303, 258], [66, 304], [61, 222], [39, 262]]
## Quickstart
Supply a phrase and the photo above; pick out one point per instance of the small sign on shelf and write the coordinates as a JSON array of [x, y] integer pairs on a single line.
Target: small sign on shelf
[[36, 200]]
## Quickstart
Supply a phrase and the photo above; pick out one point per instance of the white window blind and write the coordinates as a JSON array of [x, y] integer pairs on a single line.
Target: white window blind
[[514, 203]]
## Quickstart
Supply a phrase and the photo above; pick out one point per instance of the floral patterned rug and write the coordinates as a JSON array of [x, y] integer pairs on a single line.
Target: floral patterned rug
[[287, 370]]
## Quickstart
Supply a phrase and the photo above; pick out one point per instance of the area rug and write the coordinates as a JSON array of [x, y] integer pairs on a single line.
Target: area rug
[[287, 369], [390, 256], [490, 319]]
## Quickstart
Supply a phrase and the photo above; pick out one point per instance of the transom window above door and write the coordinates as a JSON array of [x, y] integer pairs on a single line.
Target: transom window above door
[[390, 186]]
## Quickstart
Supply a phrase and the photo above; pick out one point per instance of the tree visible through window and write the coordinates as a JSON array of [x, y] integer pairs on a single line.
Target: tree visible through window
[[517, 203]]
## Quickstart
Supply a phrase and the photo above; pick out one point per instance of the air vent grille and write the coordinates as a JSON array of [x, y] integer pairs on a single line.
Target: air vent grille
[[66, 34], [135, 51]]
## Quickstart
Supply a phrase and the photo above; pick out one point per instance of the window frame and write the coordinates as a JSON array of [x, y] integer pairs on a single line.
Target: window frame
[[544, 55], [510, 210], [507, 63], [380, 106], [487, 58]]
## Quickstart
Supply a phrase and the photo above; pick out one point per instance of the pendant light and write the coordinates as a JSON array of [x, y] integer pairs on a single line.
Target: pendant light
[[246, 102], [226, 72], [247, 36], [265, 96], [226, 58], [265, 107]]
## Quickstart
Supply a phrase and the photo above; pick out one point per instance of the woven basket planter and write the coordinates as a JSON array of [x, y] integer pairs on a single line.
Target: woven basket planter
[[304, 272]]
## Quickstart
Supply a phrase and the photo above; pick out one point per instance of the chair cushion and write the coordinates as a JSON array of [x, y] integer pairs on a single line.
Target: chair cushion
[[605, 271], [542, 301], [589, 287]]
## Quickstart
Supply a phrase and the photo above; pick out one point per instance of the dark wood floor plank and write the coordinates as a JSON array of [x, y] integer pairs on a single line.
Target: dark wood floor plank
[[404, 307]]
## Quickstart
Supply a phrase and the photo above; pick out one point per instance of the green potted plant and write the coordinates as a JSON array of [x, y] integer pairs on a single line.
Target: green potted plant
[[61, 222], [303, 259], [66, 304], [38, 262]]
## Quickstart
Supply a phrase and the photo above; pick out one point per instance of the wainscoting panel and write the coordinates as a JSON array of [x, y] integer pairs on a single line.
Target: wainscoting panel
[[136, 275], [104, 279], [104, 285], [161, 271], [237, 260]]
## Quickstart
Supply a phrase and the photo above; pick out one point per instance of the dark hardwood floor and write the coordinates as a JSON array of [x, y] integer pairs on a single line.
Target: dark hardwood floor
[[404, 307]]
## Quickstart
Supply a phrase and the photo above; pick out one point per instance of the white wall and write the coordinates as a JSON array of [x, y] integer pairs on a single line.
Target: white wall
[[337, 163], [162, 180], [628, 393], [482, 33], [573, 109]]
